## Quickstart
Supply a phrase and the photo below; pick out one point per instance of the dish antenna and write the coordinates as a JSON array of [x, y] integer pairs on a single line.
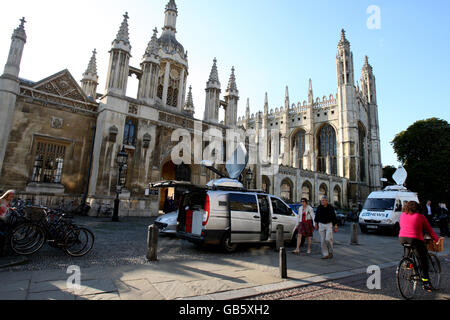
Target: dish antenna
[[238, 162], [400, 176]]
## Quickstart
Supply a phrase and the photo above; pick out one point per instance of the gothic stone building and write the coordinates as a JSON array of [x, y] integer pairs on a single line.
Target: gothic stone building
[[59, 140]]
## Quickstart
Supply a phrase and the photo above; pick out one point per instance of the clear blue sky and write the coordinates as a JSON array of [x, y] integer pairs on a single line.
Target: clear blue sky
[[270, 43]]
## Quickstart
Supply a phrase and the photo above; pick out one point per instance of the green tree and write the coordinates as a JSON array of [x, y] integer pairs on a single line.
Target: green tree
[[424, 150]]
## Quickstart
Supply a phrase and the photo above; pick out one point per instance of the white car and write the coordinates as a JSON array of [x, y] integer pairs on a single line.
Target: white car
[[167, 224]]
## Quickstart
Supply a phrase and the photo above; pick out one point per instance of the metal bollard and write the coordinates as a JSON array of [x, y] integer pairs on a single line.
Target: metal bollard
[[354, 234], [280, 237], [152, 243], [283, 264]]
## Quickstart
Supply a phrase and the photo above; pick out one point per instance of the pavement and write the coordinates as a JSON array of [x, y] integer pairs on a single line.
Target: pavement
[[253, 272]]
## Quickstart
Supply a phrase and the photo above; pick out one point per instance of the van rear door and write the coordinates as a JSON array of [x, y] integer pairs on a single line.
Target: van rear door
[[245, 220]]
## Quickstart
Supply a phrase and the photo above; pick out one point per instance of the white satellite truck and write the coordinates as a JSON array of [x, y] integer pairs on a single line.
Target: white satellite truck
[[382, 209]]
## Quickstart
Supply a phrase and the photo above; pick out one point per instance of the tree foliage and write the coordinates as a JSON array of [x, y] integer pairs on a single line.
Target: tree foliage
[[424, 150]]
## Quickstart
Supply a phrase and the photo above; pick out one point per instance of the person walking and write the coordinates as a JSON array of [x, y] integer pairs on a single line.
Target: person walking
[[326, 221], [428, 212], [443, 220], [305, 226], [412, 225]]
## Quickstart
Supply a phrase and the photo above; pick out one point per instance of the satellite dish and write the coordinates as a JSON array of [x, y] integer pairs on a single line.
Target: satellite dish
[[400, 176], [236, 165]]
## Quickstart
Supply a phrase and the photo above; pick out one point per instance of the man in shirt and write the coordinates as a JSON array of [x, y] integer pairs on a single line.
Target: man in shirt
[[429, 213], [325, 222]]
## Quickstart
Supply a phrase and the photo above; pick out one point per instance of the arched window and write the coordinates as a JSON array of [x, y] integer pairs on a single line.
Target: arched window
[[323, 191], [286, 190], [129, 137], [306, 191], [299, 148], [327, 150], [337, 197], [362, 153]]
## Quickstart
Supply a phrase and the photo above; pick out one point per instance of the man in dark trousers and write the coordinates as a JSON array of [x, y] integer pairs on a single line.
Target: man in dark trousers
[[325, 222]]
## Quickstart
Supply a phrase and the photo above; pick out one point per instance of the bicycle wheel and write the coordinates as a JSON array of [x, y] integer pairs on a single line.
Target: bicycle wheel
[[407, 278], [434, 270], [78, 242], [27, 239]]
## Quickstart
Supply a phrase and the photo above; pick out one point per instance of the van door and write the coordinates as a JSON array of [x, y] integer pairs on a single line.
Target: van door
[[264, 209], [282, 214], [245, 220]]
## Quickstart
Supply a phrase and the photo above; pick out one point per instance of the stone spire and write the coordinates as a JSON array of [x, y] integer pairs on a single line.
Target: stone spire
[[232, 87], [18, 40], [343, 41], [213, 81], [310, 93], [122, 40], [89, 82], [92, 66], [153, 46], [247, 109], [20, 31], [286, 100], [170, 22], [266, 104], [189, 105], [367, 65]]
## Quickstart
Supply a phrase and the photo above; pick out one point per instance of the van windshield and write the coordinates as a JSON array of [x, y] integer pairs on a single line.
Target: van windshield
[[379, 204]]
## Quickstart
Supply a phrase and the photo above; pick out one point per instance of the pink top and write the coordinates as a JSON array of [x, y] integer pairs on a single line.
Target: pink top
[[3, 208], [412, 226]]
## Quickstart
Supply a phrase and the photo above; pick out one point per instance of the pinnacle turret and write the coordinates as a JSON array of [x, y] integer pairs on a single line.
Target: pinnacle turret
[[266, 104], [232, 87], [310, 93], [189, 106], [20, 31], [247, 109], [213, 81], [122, 39], [153, 46], [343, 41], [92, 66]]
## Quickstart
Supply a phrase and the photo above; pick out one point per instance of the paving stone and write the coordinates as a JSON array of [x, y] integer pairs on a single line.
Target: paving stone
[[36, 287], [174, 289], [138, 290], [100, 296], [51, 295], [235, 294], [7, 286], [13, 295]]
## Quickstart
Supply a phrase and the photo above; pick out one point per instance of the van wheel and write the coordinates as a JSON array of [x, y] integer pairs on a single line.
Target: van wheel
[[227, 246], [363, 229]]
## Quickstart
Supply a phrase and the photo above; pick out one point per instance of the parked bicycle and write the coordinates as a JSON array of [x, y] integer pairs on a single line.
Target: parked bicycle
[[409, 273], [49, 226]]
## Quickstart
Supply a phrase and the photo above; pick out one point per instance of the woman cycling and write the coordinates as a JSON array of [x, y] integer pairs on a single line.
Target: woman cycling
[[5, 204], [412, 224]]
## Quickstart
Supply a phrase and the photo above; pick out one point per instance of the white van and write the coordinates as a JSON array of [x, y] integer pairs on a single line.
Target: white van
[[224, 213], [382, 209]]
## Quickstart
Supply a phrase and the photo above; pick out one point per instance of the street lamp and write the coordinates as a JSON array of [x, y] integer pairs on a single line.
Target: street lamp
[[249, 177], [122, 160]]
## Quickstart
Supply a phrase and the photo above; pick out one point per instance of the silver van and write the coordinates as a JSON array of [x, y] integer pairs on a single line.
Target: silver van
[[224, 213]]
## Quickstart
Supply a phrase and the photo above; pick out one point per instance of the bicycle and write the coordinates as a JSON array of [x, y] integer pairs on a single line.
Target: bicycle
[[409, 273], [52, 227]]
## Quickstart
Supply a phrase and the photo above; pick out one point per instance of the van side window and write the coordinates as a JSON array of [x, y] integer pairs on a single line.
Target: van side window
[[243, 202], [280, 208]]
